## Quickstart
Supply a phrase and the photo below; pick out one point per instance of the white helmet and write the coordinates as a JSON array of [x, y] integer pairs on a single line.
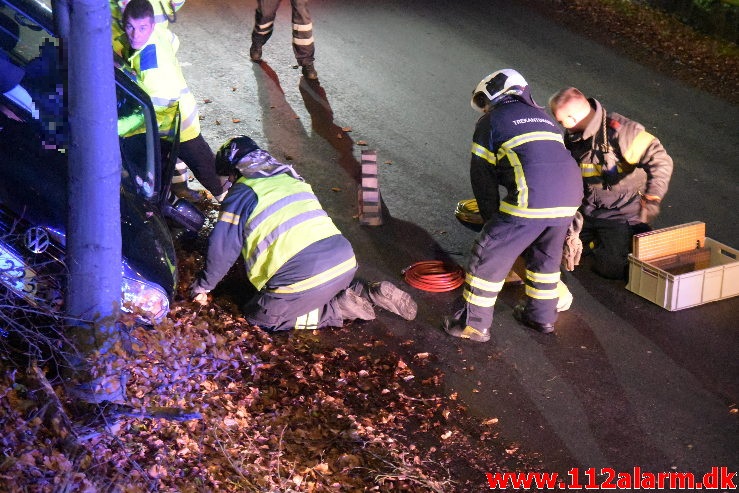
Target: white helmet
[[506, 81]]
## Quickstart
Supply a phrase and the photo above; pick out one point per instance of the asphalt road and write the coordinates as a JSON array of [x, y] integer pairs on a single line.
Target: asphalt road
[[623, 382]]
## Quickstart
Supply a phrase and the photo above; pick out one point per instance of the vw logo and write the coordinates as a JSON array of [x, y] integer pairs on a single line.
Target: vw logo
[[36, 240]]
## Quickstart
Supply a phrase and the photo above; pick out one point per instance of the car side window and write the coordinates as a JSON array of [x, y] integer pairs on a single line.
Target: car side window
[[36, 50]]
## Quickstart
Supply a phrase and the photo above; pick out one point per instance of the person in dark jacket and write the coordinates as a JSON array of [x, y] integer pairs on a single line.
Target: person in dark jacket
[[516, 145], [295, 256], [626, 173]]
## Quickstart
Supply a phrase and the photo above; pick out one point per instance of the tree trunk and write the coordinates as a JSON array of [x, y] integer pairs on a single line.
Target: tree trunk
[[93, 212]]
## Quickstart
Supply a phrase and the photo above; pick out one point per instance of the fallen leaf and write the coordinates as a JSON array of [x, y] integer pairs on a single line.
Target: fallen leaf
[[361, 143], [446, 435], [346, 129], [207, 101], [236, 120], [335, 189], [490, 421]]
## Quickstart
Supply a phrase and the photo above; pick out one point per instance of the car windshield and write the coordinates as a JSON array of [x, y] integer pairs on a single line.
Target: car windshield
[[27, 43]]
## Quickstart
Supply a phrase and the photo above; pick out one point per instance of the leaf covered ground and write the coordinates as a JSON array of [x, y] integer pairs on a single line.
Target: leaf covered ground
[[273, 412]]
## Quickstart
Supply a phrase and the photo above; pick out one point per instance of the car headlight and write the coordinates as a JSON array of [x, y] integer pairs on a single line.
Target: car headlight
[[145, 299]]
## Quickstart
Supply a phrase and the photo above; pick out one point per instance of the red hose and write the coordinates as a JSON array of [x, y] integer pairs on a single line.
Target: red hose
[[434, 276]]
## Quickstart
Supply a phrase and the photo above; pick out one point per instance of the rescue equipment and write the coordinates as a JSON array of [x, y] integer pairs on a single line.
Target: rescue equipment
[[434, 276], [468, 213]]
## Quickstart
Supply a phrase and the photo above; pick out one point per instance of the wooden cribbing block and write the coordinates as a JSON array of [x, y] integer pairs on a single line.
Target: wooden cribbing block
[[370, 211]]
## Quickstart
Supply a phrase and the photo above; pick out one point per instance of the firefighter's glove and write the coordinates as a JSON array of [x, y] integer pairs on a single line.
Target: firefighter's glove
[[573, 246], [198, 294], [649, 210]]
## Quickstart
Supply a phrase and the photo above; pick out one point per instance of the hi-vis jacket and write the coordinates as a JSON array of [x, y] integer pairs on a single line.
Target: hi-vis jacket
[[272, 220], [163, 12], [616, 172], [157, 72], [518, 146]]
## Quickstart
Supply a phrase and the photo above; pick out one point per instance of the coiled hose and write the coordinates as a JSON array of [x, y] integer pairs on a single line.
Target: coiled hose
[[434, 276]]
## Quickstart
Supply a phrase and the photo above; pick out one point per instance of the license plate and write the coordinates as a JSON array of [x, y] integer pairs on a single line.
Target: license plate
[[17, 276]]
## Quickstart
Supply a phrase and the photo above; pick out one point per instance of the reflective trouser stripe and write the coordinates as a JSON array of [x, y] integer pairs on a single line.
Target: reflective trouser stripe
[[264, 29], [309, 321], [319, 279], [542, 294], [476, 282], [541, 277], [303, 42], [482, 301]]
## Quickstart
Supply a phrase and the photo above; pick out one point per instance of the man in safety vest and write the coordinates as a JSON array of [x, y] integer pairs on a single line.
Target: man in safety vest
[[626, 172], [164, 12], [150, 57], [295, 256], [516, 145]]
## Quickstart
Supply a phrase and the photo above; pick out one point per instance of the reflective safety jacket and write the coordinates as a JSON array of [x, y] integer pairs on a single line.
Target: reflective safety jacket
[[519, 146], [271, 221], [157, 72], [616, 169]]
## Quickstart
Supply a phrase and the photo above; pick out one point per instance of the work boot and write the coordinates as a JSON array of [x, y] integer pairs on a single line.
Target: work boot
[[454, 328], [385, 295], [353, 306], [519, 313], [309, 72], [255, 52]]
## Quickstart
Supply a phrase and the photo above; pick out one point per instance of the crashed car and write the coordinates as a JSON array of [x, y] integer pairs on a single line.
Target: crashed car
[[33, 179]]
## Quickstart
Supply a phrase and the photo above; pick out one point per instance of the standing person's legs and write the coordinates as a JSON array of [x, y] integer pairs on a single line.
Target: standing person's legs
[[264, 21], [303, 44], [493, 254], [198, 156], [543, 259]]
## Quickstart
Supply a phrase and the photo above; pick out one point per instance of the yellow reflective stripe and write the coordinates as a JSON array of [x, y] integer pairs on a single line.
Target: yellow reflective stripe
[[589, 170], [229, 217], [476, 282], [318, 279], [542, 294], [638, 147], [541, 277], [548, 213], [309, 321], [262, 27], [468, 332], [530, 137], [303, 41], [483, 301], [303, 27], [483, 153]]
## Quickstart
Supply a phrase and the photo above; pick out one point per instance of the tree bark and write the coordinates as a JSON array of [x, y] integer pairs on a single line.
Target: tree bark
[[93, 212]]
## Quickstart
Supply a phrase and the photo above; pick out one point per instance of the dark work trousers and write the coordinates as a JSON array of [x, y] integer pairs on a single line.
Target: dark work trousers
[[609, 241], [311, 309], [198, 156], [500, 242], [264, 21]]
